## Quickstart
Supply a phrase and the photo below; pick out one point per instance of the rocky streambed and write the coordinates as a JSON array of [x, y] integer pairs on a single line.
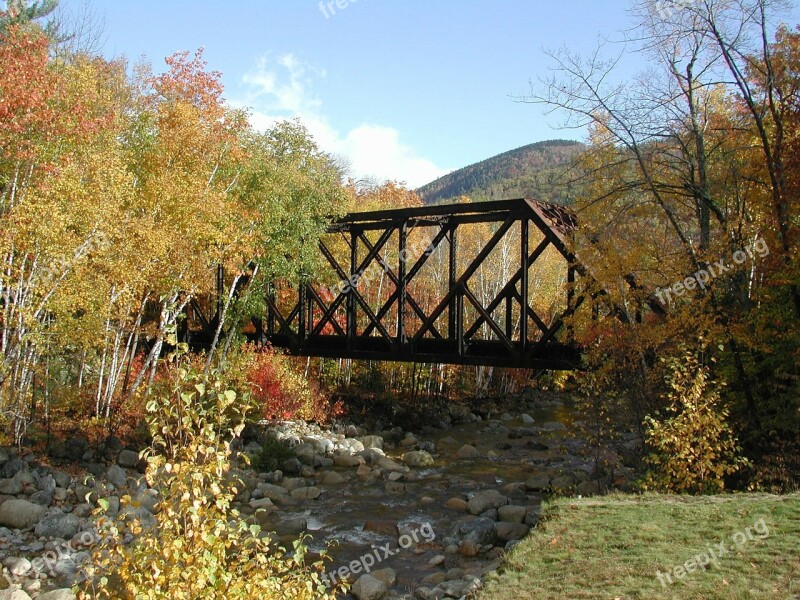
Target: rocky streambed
[[422, 514]]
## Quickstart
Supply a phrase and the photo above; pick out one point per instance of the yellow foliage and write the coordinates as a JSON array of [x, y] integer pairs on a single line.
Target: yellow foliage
[[201, 546], [694, 448]]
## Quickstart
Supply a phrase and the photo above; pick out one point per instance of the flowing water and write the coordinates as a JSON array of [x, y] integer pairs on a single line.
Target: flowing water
[[340, 514]]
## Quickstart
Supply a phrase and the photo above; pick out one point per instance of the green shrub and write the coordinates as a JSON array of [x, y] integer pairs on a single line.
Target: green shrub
[[273, 453]]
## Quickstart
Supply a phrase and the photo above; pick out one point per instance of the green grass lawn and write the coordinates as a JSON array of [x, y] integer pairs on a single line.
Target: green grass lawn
[[616, 546]]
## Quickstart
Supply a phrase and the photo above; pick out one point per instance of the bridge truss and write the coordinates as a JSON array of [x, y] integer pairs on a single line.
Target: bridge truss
[[518, 322]]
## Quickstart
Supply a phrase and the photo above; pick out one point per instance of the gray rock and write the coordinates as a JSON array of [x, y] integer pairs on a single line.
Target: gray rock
[[349, 447], [387, 464], [321, 445], [82, 510], [66, 567], [72, 449], [46, 483], [467, 451], [305, 493], [10, 487], [13, 594], [511, 531], [291, 527], [305, 453], [264, 503], [147, 499], [274, 492], [371, 441], [128, 459], [368, 587], [417, 459], [47, 489], [486, 500], [409, 440], [62, 594], [117, 475], [292, 483], [348, 461], [138, 514], [113, 506], [512, 513], [423, 593], [456, 589], [554, 426], [26, 482], [56, 524], [62, 479], [479, 531], [331, 478], [387, 576], [437, 560], [95, 468], [43, 498], [527, 419], [538, 482], [490, 514], [532, 516], [12, 467], [534, 445], [562, 483], [20, 514], [291, 466], [588, 488], [17, 566], [372, 455]]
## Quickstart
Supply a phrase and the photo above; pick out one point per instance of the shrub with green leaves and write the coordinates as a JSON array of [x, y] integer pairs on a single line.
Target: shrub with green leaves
[[272, 455], [201, 547]]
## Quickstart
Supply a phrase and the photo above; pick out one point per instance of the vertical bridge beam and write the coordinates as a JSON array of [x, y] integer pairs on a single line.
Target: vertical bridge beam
[[523, 284], [352, 324], [402, 300]]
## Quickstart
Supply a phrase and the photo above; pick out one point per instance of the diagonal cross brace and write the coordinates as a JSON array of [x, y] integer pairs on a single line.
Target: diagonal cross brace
[[328, 315], [469, 272]]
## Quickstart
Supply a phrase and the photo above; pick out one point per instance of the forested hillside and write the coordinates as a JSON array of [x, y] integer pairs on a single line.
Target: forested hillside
[[540, 170]]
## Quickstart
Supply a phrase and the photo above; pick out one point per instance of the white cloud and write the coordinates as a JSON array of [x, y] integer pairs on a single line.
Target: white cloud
[[282, 88]]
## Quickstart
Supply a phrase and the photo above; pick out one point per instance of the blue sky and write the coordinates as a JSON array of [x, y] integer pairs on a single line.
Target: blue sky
[[405, 89]]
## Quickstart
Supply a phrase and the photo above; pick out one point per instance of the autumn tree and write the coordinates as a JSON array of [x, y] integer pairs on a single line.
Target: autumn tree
[[686, 169]]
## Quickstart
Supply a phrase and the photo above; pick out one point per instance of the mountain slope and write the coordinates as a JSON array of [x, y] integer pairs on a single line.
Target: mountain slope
[[535, 171]]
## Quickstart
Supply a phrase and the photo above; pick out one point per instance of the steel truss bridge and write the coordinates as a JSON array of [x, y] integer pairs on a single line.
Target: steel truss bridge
[[472, 322]]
